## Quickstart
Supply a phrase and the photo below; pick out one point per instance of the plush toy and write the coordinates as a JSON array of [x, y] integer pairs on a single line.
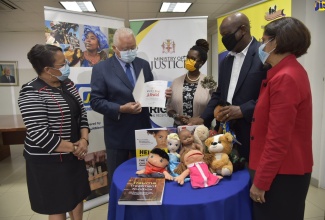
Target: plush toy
[[187, 141], [197, 169], [201, 133], [238, 162], [156, 165], [220, 147]]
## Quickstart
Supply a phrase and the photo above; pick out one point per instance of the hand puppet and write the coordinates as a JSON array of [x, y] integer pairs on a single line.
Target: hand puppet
[[197, 169], [156, 165]]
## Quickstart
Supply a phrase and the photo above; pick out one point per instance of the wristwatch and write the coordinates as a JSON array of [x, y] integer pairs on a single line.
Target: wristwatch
[[175, 116]]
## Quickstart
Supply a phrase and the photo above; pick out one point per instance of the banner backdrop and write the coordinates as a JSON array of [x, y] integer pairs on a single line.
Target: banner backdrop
[[164, 43], [258, 15], [85, 39]]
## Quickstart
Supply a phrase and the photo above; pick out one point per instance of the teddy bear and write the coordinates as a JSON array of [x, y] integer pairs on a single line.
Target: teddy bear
[[192, 164], [220, 146], [156, 165], [201, 133]]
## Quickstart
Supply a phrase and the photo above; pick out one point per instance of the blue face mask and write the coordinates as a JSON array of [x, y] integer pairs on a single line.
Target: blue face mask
[[65, 70], [262, 54], [129, 55]]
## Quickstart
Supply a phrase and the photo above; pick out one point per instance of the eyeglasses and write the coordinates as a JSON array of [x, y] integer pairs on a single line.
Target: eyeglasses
[[128, 50], [66, 62]]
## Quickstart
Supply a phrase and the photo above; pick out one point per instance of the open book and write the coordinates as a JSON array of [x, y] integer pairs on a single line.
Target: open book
[[143, 191], [150, 94]]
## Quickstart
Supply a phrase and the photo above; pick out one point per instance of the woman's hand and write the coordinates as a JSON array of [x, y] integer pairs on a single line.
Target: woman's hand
[[168, 92], [257, 194], [81, 148]]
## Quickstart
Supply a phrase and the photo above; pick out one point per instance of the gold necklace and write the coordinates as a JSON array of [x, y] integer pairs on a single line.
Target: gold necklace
[[192, 80]]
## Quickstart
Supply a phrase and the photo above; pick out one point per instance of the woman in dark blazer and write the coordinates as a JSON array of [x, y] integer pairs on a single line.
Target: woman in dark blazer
[[57, 136]]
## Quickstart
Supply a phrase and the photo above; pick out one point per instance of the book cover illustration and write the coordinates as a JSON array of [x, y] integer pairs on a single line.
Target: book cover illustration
[[150, 94], [146, 140], [143, 191]]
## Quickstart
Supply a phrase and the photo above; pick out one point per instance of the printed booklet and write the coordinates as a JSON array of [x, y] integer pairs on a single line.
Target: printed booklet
[[146, 140], [143, 191]]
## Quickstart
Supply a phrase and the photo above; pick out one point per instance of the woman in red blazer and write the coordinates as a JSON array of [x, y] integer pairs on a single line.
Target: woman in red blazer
[[281, 133]]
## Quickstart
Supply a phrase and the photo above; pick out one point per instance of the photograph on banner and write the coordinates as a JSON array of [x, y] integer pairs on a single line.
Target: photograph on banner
[[94, 45], [83, 45], [96, 162], [93, 33], [66, 36]]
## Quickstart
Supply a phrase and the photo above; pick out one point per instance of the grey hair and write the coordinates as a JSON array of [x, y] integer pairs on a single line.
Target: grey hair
[[121, 32]]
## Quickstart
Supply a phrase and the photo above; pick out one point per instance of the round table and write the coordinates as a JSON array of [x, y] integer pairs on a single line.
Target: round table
[[228, 200]]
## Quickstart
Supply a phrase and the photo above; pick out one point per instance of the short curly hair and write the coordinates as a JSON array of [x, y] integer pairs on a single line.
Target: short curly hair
[[291, 36]]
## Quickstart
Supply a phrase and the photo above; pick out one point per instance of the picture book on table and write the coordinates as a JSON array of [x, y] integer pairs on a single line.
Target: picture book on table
[[147, 139], [143, 191]]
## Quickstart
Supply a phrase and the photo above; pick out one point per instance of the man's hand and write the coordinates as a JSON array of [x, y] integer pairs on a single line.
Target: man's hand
[[228, 113], [168, 92], [131, 108], [195, 121]]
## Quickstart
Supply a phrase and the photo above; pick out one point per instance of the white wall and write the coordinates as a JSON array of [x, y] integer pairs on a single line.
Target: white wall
[[313, 62], [14, 47]]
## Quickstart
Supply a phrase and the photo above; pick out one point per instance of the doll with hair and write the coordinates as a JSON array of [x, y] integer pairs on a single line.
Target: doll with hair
[[156, 165]]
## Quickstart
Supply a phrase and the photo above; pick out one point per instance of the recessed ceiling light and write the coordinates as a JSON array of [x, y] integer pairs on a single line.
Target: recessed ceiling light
[[78, 6], [174, 7]]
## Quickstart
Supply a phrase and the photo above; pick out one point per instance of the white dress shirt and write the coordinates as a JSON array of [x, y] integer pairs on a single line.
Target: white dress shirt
[[236, 67]]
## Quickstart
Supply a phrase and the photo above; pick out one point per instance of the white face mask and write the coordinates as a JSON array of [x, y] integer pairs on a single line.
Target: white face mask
[[129, 55]]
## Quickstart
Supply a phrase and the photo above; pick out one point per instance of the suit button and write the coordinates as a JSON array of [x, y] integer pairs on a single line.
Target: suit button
[[252, 137], [253, 119]]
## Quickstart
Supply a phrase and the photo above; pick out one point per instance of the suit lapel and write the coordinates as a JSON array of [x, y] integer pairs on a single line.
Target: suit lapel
[[119, 71], [137, 69]]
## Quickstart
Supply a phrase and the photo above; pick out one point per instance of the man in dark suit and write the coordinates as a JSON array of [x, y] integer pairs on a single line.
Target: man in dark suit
[[112, 83], [7, 78], [240, 76]]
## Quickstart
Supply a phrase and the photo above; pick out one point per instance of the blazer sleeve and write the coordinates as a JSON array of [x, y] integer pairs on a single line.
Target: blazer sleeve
[[99, 101], [34, 114]]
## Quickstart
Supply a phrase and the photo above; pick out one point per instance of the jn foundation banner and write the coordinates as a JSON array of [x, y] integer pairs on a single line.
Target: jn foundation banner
[[86, 40], [164, 43], [259, 15]]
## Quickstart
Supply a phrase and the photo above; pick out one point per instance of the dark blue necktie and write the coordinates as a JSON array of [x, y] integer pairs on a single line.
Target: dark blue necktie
[[129, 74]]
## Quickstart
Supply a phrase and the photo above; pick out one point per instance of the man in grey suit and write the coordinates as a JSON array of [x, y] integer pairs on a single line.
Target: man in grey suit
[[112, 83], [240, 77], [7, 78]]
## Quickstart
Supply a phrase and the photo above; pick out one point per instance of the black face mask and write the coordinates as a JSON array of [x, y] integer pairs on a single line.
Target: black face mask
[[229, 40]]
